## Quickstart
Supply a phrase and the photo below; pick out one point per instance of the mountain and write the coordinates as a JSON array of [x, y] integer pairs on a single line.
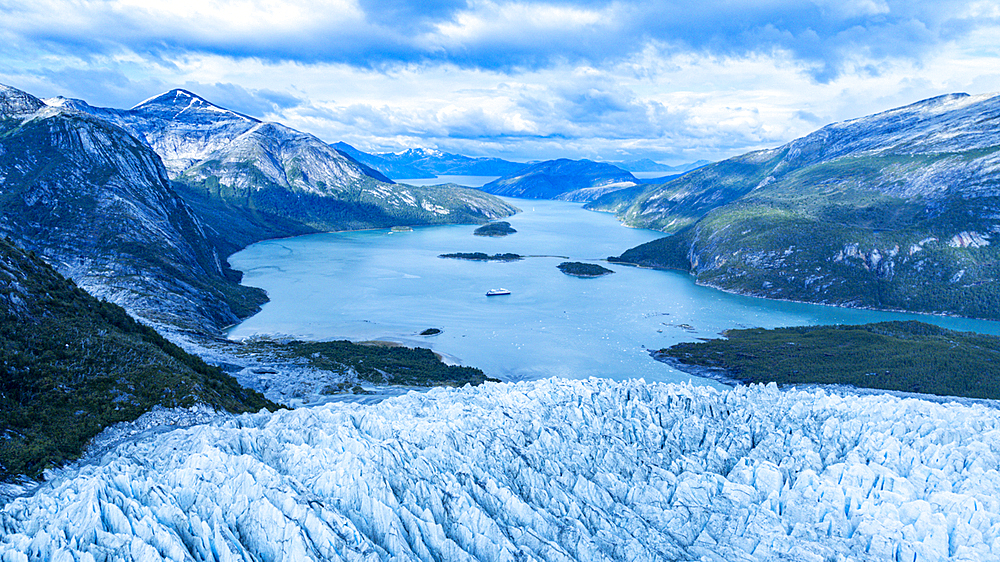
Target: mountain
[[221, 158], [423, 163], [647, 165], [898, 210], [568, 180], [73, 365], [97, 204], [556, 469]]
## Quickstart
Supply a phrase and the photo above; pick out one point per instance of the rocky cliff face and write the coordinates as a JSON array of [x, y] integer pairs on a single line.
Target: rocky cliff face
[[97, 204], [897, 210], [235, 160]]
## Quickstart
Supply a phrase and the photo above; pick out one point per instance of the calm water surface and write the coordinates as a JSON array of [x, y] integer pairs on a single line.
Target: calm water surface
[[376, 285], [468, 181]]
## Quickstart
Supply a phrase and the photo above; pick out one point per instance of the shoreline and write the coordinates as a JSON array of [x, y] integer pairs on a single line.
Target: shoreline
[[722, 376], [712, 373], [817, 303]]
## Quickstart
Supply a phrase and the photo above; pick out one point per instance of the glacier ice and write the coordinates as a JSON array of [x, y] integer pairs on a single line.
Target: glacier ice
[[545, 470]]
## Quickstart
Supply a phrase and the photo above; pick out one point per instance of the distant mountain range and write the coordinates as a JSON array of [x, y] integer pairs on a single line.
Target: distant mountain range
[[87, 188], [422, 163], [647, 165], [898, 210], [568, 180], [415, 163]]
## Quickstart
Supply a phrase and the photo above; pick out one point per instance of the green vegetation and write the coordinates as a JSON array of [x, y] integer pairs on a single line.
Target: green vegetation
[[578, 269], [863, 229], [619, 200], [375, 362], [71, 365], [501, 228], [906, 356], [769, 251], [480, 256]]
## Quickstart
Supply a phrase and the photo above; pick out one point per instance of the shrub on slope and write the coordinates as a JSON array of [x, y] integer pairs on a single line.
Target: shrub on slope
[[71, 365]]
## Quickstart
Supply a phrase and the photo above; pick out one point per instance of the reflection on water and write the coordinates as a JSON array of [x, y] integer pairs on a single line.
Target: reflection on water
[[392, 286], [468, 181]]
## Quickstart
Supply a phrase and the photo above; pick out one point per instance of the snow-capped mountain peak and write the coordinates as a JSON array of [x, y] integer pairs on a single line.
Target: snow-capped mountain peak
[[418, 153], [175, 97], [180, 104], [16, 102]]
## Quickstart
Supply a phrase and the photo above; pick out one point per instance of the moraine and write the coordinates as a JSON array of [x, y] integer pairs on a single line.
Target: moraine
[[376, 285]]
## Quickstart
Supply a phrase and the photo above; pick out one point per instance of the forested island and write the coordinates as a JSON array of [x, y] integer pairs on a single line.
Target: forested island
[[579, 269], [480, 256], [907, 356], [496, 229]]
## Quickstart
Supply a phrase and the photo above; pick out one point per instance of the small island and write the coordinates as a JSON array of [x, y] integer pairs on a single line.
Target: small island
[[501, 228], [578, 269], [480, 256], [907, 356]]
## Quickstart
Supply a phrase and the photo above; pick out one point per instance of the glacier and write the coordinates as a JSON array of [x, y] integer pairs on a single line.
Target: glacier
[[548, 470]]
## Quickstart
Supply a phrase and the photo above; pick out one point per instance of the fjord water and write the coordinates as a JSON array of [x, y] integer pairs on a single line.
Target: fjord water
[[377, 285], [467, 181]]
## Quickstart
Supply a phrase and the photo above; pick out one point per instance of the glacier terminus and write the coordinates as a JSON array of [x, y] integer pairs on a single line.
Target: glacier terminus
[[547, 470]]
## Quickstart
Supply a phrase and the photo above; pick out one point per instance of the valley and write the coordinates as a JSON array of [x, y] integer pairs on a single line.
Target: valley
[[175, 185], [500, 281], [551, 324], [286, 272]]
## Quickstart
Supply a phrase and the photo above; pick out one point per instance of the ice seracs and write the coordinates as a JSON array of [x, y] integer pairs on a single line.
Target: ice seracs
[[546, 470]]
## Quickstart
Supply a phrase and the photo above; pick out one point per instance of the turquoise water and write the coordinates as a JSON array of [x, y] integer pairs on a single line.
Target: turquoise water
[[376, 285]]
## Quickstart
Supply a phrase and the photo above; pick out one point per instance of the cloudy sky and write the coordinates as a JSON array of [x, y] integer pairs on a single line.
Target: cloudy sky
[[524, 80]]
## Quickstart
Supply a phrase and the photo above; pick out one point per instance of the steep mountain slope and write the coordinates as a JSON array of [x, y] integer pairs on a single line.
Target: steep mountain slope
[[424, 163], [550, 470], [234, 160], [70, 365], [568, 180], [96, 203], [895, 210]]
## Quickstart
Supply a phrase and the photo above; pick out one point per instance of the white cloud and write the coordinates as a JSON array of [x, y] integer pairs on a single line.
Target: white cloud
[[520, 21], [847, 9], [527, 80]]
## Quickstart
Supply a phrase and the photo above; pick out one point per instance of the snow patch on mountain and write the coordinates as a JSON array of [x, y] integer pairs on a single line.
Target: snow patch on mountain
[[544, 470], [15, 102], [966, 239], [949, 123]]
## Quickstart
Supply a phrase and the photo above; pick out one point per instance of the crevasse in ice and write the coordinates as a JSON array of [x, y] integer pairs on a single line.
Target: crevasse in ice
[[545, 470]]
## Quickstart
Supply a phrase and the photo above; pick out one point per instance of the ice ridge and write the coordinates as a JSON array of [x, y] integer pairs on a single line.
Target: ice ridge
[[546, 470]]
